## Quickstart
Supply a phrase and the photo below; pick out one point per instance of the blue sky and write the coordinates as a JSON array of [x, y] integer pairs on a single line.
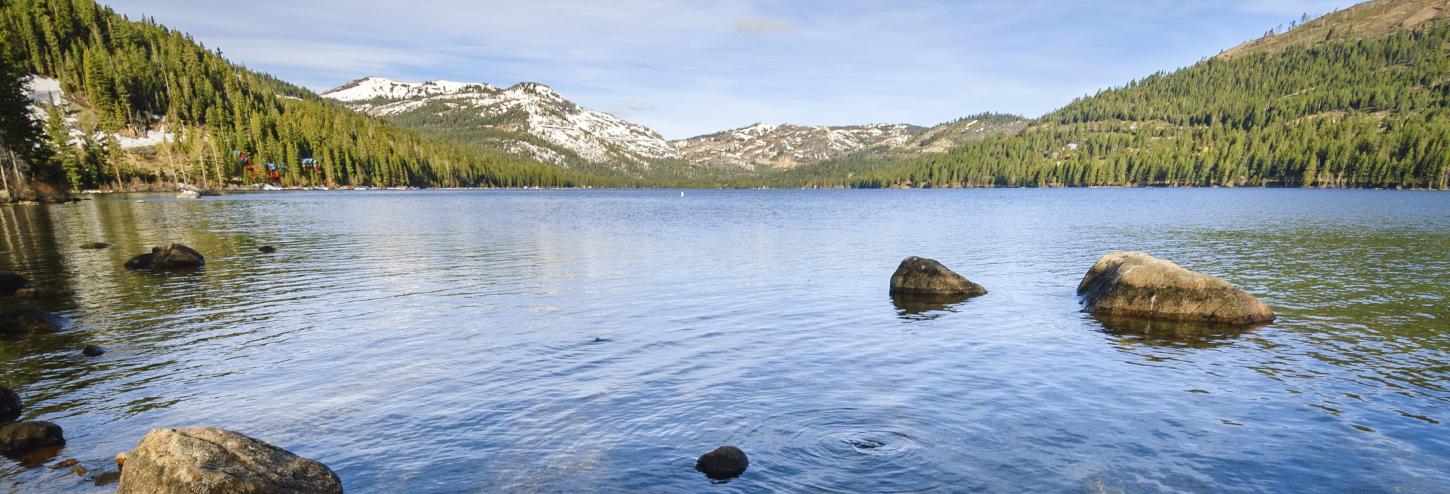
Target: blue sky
[[690, 67]]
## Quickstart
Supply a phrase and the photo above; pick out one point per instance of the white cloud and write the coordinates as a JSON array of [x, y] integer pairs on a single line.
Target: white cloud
[[759, 25]]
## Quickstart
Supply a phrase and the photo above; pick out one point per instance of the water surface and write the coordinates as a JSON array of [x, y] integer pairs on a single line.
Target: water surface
[[601, 340]]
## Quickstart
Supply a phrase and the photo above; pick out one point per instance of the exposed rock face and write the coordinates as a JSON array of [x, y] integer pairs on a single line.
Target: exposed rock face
[[19, 437], [10, 282], [216, 461], [27, 322], [723, 463], [9, 405], [95, 245], [1135, 284], [920, 276], [174, 256]]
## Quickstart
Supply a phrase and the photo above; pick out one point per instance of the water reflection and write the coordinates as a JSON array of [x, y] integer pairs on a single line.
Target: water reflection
[[917, 307], [1135, 331]]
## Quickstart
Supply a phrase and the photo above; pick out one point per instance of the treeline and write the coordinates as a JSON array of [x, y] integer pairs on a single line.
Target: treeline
[[139, 75], [1349, 113]]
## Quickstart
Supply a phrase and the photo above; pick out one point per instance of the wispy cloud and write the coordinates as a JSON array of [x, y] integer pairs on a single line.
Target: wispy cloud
[[759, 25], [686, 67]]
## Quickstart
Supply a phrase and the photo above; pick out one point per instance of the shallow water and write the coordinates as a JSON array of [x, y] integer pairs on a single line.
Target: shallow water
[[600, 340]]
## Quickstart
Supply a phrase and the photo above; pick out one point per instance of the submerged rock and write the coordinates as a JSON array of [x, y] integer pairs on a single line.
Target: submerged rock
[[267, 249], [723, 463], [108, 478], [921, 276], [28, 321], [214, 461], [1135, 284], [173, 256], [10, 282], [44, 293], [10, 405], [66, 463], [93, 350], [20, 437], [95, 245]]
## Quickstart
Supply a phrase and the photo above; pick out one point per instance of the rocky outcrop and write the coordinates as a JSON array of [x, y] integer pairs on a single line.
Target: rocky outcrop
[[215, 461], [723, 463], [10, 282], [25, 322], [20, 437], [921, 276], [9, 405], [174, 256], [1134, 284]]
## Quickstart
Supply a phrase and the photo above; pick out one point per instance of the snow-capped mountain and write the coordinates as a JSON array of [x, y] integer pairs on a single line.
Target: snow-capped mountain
[[764, 146], [528, 119]]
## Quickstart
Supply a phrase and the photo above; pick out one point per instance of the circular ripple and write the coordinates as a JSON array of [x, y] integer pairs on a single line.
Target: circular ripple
[[830, 450]]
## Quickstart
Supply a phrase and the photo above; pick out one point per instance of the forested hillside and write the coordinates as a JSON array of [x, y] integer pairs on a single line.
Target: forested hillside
[[1341, 112], [133, 76]]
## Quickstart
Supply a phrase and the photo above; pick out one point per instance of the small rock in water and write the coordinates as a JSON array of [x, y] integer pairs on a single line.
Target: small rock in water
[[79, 470], [921, 276], [9, 405], [188, 194], [29, 321], [95, 245], [173, 256], [93, 350], [121, 460], [267, 249], [64, 463], [723, 463], [108, 478], [10, 282], [19, 437]]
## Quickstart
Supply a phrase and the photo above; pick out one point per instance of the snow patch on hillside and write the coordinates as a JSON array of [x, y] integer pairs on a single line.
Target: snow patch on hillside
[[785, 146], [595, 136], [45, 93]]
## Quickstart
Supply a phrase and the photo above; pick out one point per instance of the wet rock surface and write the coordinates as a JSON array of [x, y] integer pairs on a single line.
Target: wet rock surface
[[215, 461], [723, 463], [921, 276], [1135, 284], [170, 257]]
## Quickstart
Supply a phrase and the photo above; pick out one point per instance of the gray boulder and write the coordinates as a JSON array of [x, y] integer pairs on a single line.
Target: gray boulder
[[215, 461], [921, 276], [20, 437], [173, 256], [1134, 284]]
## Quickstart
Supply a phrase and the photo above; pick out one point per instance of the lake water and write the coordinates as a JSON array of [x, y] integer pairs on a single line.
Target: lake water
[[582, 341]]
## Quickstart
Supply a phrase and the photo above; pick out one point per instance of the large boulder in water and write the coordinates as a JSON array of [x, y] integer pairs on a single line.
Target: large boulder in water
[[1134, 284], [26, 322], [174, 256], [20, 437], [10, 282], [9, 405], [921, 276], [723, 463], [214, 461]]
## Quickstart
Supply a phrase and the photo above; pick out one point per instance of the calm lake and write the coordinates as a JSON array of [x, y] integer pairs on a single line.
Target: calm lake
[[436, 341]]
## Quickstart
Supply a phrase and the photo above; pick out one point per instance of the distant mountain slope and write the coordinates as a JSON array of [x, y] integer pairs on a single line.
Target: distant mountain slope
[[943, 137], [1368, 20], [1369, 110], [131, 78], [764, 146], [527, 119]]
